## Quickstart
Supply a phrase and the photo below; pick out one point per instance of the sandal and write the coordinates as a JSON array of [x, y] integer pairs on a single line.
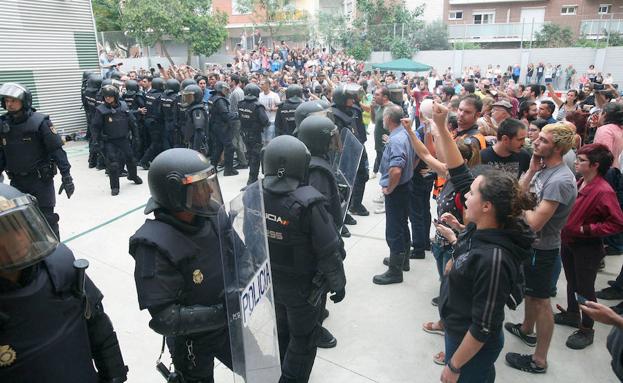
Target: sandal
[[433, 328], [440, 358]]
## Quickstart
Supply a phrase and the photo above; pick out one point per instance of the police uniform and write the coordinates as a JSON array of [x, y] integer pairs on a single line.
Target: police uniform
[[285, 122], [30, 152], [92, 99], [220, 117], [253, 121], [135, 101], [169, 103], [153, 126], [196, 129]]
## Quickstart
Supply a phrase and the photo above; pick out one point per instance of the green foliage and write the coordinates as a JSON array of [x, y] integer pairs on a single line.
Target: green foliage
[[433, 36], [273, 14], [330, 29], [360, 50], [107, 15], [402, 49], [187, 21], [466, 45], [553, 36]]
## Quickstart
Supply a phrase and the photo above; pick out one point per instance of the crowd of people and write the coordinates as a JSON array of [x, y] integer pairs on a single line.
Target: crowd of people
[[526, 182]]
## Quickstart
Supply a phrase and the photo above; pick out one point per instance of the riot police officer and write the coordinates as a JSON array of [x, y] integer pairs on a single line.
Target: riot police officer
[[253, 121], [91, 100], [299, 250], [112, 124], [135, 99], [220, 132], [285, 122], [195, 128], [31, 151], [178, 270], [308, 108], [181, 113], [168, 103], [53, 327], [396, 95], [153, 122]]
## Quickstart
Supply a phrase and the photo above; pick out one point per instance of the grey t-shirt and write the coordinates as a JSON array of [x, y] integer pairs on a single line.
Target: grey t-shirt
[[554, 184]]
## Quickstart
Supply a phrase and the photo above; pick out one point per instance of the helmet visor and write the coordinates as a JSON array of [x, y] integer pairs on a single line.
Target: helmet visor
[[13, 90], [187, 98], [25, 236], [203, 193], [336, 141]]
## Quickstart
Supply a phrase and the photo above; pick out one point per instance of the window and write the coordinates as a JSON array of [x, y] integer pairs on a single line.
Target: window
[[604, 9], [484, 17], [455, 15], [569, 10]]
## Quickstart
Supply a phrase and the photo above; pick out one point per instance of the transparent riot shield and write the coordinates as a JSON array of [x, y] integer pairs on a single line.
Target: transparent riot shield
[[248, 289], [346, 167]]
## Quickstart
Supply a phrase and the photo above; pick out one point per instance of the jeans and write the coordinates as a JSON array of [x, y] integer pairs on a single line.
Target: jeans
[[442, 255], [556, 273], [397, 219], [480, 368], [419, 214]]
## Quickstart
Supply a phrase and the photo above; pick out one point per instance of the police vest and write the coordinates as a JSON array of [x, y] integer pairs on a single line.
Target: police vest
[[360, 127], [196, 122], [134, 101], [287, 110], [343, 120], [91, 100], [291, 255], [45, 338], [248, 114], [196, 257], [152, 103], [23, 145], [168, 104], [334, 207], [116, 121], [217, 119]]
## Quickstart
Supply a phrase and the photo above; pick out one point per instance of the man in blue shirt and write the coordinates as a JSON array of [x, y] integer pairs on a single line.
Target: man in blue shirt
[[396, 170], [546, 111]]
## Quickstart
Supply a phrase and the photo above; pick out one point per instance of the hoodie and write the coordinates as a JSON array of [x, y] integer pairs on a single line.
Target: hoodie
[[485, 270]]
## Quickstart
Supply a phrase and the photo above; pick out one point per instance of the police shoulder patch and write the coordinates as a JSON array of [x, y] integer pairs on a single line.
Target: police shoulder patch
[[7, 355]]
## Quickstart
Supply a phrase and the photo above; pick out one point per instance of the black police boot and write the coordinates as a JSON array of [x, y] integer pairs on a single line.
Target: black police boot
[[326, 339], [394, 273], [359, 210], [349, 220], [345, 232], [230, 172], [144, 165], [136, 179], [405, 265], [114, 191], [417, 254]]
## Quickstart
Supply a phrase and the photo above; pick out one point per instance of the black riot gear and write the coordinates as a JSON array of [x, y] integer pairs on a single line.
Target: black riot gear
[[251, 92], [220, 128], [308, 108], [18, 91], [285, 161], [319, 134], [94, 82], [132, 87], [183, 180], [158, 83], [116, 75], [285, 119], [294, 93], [253, 121], [396, 94], [173, 85], [110, 91], [191, 95], [186, 82], [341, 96], [221, 87], [105, 82]]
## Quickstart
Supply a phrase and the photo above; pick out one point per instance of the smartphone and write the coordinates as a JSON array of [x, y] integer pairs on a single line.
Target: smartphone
[[159, 66], [581, 300]]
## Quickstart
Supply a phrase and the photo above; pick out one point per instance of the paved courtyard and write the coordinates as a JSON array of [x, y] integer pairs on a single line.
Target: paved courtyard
[[378, 327]]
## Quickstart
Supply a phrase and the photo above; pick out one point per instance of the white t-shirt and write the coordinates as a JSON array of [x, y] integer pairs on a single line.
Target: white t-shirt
[[270, 102]]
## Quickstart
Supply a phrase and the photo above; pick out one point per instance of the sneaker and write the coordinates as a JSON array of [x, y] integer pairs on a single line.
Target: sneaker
[[515, 329], [359, 210], [524, 363], [566, 318], [349, 220], [379, 199], [380, 210], [610, 294], [580, 339], [435, 301]]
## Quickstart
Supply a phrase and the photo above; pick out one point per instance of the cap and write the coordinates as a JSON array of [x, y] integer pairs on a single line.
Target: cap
[[504, 104]]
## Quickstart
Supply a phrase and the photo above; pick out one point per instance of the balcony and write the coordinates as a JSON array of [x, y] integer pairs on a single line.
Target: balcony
[[462, 2], [596, 28], [502, 32]]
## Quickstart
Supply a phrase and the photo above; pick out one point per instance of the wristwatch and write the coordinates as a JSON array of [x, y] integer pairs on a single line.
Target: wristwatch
[[452, 368]]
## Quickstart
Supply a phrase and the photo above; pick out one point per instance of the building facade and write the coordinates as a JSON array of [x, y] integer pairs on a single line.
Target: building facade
[[492, 21]]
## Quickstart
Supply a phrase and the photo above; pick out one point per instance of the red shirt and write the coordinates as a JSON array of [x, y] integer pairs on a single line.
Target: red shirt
[[419, 96], [596, 210]]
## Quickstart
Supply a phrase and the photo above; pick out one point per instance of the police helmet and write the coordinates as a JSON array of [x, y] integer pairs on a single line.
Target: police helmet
[[294, 93], [94, 82], [308, 108], [186, 82], [285, 164], [116, 75], [105, 82], [191, 95], [157, 83], [251, 92], [131, 87], [355, 90], [86, 75], [183, 180], [110, 91], [221, 87], [319, 134], [25, 235], [340, 96], [18, 91], [396, 93], [173, 86]]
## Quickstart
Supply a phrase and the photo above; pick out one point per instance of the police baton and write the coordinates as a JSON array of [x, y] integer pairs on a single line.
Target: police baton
[[80, 266]]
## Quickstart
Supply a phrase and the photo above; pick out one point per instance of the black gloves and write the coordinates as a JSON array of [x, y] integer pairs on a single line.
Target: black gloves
[[68, 186], [338, 296]]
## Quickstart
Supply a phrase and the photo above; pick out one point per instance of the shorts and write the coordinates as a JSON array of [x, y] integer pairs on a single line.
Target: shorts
[[538, 270]]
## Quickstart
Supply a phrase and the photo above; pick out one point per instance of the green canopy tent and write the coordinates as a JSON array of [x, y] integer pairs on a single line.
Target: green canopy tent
[[402, 65]]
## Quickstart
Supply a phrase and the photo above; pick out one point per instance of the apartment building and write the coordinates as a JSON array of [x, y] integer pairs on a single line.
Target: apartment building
[[513, 21]]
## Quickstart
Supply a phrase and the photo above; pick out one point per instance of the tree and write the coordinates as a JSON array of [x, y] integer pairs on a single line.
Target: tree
[[107, 15], [273, 14], [402, 49], [553, 36], [187, 21], [330, 28], [433, 36]]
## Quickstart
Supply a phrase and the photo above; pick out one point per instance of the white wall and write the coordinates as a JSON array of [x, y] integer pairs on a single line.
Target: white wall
[[433, 9]]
